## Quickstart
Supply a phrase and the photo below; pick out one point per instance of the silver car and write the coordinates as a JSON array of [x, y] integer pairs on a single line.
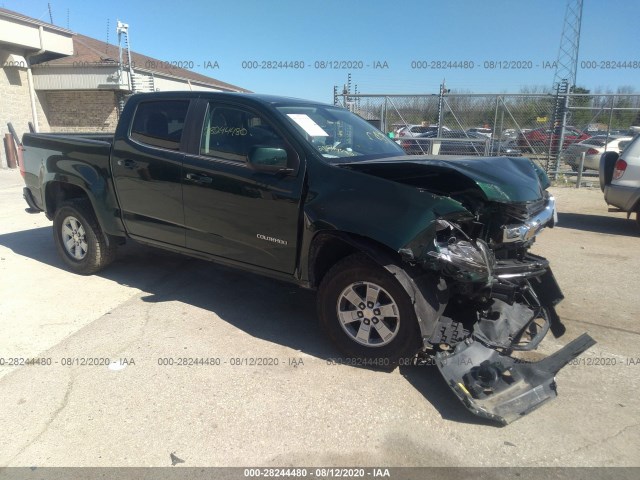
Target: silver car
[[593, 149], [620, 177]]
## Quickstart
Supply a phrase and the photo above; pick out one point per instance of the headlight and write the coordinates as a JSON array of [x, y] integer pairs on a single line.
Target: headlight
[[470, 260]]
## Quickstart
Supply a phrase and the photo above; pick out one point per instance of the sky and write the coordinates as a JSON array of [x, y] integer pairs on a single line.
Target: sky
[[403, 46]]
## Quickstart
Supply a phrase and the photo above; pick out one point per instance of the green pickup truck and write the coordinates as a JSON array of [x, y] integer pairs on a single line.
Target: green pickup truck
[[415, 259]]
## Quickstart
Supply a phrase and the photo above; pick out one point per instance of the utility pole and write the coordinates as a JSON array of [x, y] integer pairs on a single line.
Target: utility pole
[[567, 62], [443, 91], [346, 95], [564, 80]]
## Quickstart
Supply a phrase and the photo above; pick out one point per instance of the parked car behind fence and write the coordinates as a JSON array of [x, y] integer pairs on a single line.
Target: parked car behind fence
[[593, 148], [458, 142], [542, 139]]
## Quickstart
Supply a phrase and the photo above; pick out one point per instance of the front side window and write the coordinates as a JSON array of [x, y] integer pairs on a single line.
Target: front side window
[[231, 133], [159, 123], [339, 135]]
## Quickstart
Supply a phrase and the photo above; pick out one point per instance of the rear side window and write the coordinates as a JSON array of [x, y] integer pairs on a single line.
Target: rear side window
[[159, 123], [632, 148], [623, 144]]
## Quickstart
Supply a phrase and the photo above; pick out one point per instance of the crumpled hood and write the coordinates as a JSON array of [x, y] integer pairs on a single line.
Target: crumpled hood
[[501, 179]]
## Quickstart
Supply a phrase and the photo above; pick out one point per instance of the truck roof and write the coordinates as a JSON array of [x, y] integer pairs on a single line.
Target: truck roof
[[256, 97]]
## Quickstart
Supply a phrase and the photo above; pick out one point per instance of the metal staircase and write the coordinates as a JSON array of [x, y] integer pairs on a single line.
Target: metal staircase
[[142, 82], [558, 123]]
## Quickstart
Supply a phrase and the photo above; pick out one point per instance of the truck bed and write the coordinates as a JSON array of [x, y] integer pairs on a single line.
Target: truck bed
[[54, 154]]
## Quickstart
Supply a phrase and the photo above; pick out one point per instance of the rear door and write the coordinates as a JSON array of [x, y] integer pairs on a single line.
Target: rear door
[[147, 171], [231, 210]]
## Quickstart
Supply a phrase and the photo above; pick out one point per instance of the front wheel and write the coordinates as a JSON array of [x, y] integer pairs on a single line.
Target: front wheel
[[367, 313], [79, 240]]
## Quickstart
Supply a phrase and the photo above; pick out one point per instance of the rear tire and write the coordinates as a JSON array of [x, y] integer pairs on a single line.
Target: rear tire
[[79, 240], [367, 313]]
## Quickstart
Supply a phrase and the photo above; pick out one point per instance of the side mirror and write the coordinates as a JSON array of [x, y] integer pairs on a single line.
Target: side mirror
[[269, 160]]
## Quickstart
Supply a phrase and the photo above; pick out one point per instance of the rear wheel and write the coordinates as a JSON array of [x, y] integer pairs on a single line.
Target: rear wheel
[[78, 238], [367, 313]]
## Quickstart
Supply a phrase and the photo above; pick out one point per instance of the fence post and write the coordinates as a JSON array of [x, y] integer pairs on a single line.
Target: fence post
[[440, 108], [613, 102], [580, 169]]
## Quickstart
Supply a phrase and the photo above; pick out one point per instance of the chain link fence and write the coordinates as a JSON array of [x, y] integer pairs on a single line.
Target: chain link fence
[[503, 124]]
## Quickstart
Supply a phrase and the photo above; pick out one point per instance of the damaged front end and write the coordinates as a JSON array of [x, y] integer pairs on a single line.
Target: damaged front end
[[482, 299], [500, 300]]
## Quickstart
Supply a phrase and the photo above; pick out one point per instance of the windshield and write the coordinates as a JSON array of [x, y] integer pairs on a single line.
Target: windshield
[[339, 135]]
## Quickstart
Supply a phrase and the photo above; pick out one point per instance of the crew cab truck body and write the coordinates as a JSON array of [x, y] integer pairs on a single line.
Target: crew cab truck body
[[414, 258]]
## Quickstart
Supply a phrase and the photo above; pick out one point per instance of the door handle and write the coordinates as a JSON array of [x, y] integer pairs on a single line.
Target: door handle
[[130, 164], [194, 177]]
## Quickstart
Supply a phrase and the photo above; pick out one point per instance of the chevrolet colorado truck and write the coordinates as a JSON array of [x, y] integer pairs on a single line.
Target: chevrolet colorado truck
[[412, 257]]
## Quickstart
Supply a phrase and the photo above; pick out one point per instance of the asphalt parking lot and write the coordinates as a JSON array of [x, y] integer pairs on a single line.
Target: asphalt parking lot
[[151, 307]]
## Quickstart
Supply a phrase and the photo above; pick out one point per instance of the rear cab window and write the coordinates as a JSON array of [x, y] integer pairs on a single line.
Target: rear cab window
[[159, 123]]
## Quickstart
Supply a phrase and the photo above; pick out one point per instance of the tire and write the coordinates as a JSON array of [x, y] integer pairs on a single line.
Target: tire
[[78, 238], [607, 165], [367, 333]]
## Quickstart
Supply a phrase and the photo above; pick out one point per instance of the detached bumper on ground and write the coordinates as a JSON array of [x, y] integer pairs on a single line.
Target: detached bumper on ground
[[500, 387]]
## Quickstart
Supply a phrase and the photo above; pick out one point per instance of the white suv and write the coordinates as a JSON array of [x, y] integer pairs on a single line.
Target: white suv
[[620, 177]]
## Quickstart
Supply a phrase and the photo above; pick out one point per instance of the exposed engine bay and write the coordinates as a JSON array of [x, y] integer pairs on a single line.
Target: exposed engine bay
[[496, 287], [492, 298], [500, 299]]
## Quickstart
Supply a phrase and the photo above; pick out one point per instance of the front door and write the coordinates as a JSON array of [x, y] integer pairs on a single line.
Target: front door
[[230, 209]]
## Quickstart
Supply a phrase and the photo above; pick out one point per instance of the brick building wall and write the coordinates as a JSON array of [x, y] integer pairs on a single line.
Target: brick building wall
[[80, 111], [15, 105]]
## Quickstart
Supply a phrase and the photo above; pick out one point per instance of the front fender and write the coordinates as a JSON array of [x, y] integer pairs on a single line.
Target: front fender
[[427, 291]]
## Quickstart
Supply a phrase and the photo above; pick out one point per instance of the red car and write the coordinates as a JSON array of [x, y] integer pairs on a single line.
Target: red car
[[541, 138]]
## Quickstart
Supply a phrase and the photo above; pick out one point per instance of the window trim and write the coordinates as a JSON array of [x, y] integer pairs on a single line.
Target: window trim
[[241, 108], [201, 111], [181, 143]]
